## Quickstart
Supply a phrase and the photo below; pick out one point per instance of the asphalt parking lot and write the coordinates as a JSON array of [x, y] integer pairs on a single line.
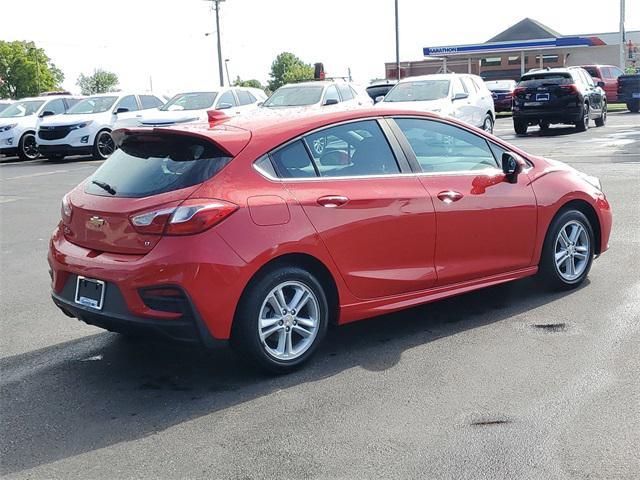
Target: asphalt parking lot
[[510, 382]]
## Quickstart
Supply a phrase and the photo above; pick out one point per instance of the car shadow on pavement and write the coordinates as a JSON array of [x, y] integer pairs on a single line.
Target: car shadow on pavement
[[101, 390]]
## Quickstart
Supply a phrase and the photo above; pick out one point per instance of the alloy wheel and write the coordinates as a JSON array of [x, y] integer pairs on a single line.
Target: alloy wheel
[[288, 320], [572, 250], [30, 146], [105, 144], [487, 126]]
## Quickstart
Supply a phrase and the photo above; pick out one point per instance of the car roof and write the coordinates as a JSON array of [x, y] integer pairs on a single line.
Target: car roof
[[434, 76]]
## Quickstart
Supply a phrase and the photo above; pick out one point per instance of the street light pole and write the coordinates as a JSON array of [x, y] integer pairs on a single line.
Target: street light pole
[[622, 35], [226, 67], [397, 43]]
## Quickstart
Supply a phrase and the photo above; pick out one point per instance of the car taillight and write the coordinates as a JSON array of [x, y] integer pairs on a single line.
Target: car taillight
[[518, 91], [66, 210], [569, 88], [191, 216]]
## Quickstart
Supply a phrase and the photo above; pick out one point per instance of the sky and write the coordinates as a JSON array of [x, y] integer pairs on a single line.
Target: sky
[[163, 43]]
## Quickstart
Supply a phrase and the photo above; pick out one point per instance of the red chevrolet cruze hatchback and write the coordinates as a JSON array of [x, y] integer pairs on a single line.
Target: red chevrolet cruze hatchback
[[245, 230]]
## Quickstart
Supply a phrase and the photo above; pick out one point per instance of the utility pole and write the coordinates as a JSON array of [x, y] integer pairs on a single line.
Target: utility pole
[[398, 42], [217, 8], [622, 36]]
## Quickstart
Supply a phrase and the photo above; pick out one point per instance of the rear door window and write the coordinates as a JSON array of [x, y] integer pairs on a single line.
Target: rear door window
[[128, 102], [345, 92], [293, 161], [245, 97], [150, 101], [146, 165], [331, 93], [227, 100], [352, 149]]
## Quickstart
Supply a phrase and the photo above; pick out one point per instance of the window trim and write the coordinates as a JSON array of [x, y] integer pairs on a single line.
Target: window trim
[[398, 139]]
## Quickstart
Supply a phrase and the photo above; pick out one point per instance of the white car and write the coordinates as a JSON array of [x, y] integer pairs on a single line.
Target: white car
[[193, 107], [85, 129], [19, 121], [461, 96], [318, 94]]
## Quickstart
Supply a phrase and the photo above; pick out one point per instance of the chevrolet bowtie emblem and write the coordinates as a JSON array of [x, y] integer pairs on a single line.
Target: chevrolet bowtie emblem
[[97, 221]]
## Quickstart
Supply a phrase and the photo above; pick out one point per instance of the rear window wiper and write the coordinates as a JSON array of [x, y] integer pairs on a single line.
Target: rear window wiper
[[105, 186]]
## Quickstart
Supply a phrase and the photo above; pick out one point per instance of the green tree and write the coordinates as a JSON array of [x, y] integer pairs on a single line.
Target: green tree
[[25, 70], [100, 81], [288, 68], [247, 83]]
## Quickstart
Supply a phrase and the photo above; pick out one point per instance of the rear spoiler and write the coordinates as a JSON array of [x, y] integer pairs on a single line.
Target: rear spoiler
[[230, 140]]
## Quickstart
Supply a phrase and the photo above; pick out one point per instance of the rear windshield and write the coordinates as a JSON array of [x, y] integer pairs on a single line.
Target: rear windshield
[[148, 165], [542, 79], [592, 71], [421, 90], [295, 96], [498, 85]]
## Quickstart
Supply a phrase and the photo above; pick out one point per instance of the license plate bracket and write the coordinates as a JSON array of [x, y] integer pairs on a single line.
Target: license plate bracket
[[90, 292]]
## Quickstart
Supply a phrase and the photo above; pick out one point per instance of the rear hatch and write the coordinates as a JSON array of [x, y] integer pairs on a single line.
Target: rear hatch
[[151, 170], [546, 90]]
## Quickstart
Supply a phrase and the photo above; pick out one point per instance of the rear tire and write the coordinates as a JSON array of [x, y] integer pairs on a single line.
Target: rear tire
[[544, 126], [634, 106], [520, 127], [567, 253], [280, 320], [28, 147], [602, 119], [583, 125]]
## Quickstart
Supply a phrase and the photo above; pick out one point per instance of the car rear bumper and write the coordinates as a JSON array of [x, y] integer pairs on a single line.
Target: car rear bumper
[[552, 115], [207, 271]]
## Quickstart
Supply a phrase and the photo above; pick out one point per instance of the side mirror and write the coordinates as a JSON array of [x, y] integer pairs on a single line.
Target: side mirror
[[331, 101], [512, 166], [223, 106], [379, 98], [600, 83], [46, 113], [460, 96], [121, 110]]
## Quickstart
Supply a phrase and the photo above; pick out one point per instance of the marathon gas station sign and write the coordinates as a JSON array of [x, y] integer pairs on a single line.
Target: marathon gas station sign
[[561, 42]]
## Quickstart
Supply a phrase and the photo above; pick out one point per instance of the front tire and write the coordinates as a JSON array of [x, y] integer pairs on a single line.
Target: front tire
[[281, 319], [28, 147], [487, 125], [602, 119], [103, 145], [568, 251]]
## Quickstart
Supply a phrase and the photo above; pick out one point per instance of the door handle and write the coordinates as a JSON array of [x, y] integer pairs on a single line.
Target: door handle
[[332, 201], [449, 196]]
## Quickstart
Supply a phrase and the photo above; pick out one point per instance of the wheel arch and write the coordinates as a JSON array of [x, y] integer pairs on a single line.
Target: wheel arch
[[588, 211], [310, 263]]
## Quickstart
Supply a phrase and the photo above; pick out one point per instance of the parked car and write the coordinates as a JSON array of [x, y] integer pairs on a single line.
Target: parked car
[[629, 91], [317, 94], [4, 103], [609, 75], [239, 232], [378, 90], [85, 129], [19, 121], [502, 93], [193, 107], [558, 95], [464, 97]]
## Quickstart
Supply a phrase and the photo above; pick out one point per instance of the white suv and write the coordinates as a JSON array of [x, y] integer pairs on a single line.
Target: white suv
[[318, 94], [86, 127], [461, 96], [193, 107], [19, 121]]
